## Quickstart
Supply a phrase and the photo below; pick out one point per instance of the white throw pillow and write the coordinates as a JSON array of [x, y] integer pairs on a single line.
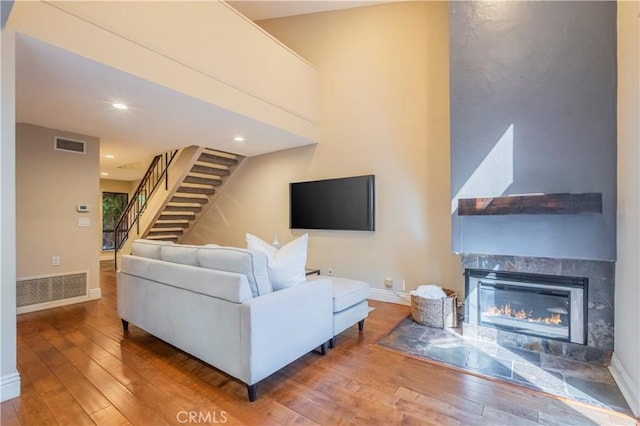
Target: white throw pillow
[[286, 265]]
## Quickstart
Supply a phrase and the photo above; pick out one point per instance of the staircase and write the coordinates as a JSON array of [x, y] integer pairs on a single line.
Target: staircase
[[196, 190], [191, 178]]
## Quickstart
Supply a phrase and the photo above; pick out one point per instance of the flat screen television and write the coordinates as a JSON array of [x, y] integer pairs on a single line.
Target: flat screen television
[[344, 204]]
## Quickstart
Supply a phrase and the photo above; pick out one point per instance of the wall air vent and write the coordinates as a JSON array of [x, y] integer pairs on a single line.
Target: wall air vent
[[69, 145], [38, 290]]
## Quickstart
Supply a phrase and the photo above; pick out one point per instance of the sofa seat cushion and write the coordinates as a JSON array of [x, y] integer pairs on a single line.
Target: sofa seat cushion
[[252, 264], [346, 292], [219, 284]]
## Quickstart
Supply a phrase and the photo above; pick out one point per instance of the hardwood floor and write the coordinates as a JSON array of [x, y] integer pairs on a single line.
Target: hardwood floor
[[78, 368]]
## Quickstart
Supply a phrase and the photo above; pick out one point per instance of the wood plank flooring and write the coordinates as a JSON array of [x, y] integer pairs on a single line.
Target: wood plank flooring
[[78, 368]]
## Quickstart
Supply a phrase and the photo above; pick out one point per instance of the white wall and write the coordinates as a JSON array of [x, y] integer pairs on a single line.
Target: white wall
[[50, 184], [234, 65], [9, 376], [626, 359], [384, 105]]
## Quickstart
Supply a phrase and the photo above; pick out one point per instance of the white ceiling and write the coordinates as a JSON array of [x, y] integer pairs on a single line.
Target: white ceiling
[[58, 89], [62, 90]]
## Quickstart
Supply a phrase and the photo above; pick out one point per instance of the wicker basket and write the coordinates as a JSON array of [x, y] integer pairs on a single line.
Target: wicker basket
[[437, 313]]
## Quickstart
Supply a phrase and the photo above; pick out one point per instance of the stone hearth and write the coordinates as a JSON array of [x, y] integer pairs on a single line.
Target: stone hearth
[[600, 307]]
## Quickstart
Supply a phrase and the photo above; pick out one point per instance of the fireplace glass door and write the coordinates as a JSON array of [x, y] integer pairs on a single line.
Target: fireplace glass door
[[532, 311]]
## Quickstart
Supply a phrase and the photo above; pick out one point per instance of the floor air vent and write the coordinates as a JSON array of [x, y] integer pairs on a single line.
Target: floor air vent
[[69, 145], [48, 289]]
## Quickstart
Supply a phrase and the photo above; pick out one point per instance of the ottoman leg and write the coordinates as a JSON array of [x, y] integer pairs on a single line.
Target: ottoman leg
[[361, 324]]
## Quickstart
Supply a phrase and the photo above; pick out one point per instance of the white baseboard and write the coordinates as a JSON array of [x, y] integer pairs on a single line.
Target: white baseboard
[[629, 389], [94, 294], [390, 296], [9, 386]]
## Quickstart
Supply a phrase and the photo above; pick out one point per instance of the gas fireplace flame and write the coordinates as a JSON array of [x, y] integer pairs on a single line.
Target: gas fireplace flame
[[506, 310]]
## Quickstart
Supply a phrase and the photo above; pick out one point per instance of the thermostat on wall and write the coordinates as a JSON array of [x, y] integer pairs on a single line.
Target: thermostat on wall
[[83, 208]]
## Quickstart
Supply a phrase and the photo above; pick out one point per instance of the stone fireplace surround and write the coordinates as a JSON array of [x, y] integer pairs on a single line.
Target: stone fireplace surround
[[600, 309]]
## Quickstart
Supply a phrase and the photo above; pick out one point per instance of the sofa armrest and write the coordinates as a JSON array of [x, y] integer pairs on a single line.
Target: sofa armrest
[[280, 327]]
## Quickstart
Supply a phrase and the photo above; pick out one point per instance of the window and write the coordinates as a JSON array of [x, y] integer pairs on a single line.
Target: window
[[113, 204]]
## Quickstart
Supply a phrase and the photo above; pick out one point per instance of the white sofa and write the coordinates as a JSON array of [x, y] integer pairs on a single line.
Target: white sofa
[[216, 303]]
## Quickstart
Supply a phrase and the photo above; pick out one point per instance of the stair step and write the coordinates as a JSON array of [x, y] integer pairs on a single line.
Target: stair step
[[207, 157], [206, 170], [169, 216], [182, 208], [196, 190], [173, 238], [225, 154], [187, 203], [163, 231], [186, 199], [170, 224], [201, 180]]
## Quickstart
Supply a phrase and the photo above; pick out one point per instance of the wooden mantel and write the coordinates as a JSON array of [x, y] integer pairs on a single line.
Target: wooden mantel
[[587, 203]]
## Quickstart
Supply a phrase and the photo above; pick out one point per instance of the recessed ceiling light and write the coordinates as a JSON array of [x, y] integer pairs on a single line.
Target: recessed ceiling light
[[238, 139], [119, 106], [104, 174], [109, 156]]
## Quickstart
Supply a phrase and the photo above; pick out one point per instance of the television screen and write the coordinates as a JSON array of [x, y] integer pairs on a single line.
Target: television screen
[[346, 204]]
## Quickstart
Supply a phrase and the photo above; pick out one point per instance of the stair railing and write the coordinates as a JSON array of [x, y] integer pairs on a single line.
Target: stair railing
[[156, 173]]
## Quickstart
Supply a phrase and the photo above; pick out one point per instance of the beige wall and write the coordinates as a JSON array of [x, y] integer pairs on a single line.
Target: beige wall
[[49, 185], [384, 103], [626, 359], [110, 185]]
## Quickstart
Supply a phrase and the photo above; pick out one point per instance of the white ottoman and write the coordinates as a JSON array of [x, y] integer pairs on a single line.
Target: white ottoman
[[350, 304]]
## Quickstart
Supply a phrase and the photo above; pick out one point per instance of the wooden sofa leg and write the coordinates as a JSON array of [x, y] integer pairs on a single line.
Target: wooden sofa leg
[[332, 342], [360, 324], [323, 348], [252, 391], [125, 325]]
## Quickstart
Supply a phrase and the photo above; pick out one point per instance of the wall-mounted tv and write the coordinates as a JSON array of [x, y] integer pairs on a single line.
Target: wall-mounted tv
[[344, 204]]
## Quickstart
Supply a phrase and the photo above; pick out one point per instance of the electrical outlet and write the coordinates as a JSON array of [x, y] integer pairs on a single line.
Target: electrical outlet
[[388, 282], [330, 272], [55, 261]]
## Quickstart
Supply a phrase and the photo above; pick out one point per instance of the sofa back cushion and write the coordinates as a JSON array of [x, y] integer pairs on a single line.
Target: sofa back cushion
[[183, 254], [220, 284], [251, 263], [148, 248]]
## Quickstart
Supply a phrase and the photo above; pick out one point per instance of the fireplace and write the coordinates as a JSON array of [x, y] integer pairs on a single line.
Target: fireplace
[[594, 331], [547, 306]]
